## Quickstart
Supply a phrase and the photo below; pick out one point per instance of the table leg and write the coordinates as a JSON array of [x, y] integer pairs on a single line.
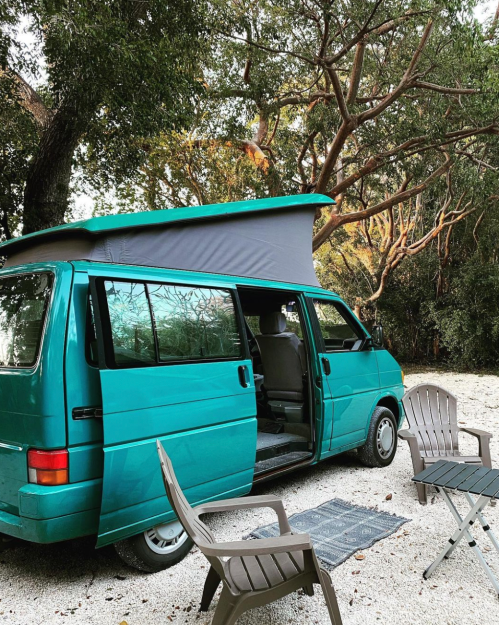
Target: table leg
[[455, 513], [486, 568], [459, 533], [484, 524]]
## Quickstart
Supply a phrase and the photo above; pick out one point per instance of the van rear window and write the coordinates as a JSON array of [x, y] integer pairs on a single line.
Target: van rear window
[[23, 304]]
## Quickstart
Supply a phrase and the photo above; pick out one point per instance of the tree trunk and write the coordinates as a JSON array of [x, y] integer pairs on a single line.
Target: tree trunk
[[47, 184]]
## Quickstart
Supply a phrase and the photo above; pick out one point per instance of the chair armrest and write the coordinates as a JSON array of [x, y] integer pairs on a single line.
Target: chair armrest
[[483, 444], [476, 433], [417, 460], [405, 435], [259, 547], [242, 503]]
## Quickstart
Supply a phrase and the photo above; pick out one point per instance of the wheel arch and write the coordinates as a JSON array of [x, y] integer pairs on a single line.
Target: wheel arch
[[392, 404], [390, 401]]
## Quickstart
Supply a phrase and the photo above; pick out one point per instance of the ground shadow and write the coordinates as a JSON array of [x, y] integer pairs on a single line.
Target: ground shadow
[[67, 561]]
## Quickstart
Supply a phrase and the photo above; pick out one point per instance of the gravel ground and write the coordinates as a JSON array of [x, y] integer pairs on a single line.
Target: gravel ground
[[72, 582]]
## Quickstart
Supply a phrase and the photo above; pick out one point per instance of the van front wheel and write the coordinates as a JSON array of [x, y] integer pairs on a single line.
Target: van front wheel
[[381, 444], [155, 549]]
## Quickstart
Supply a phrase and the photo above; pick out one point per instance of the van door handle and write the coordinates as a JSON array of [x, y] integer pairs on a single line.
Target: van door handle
[[243, 376], [326, 365], [91, 412]]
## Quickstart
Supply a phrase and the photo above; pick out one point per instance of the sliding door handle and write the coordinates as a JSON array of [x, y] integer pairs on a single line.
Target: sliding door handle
[[326, 366], [243, 373]]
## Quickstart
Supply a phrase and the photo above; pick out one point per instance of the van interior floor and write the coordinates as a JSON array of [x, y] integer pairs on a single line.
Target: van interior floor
[[274, 450]]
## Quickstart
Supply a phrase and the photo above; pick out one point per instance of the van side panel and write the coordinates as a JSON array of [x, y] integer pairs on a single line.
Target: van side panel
[[390, 375], [138, 501], [211, 438], [390, 378], [31, 404]]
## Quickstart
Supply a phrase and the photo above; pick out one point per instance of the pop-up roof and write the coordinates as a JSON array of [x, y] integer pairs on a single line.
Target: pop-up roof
[[270, 239]]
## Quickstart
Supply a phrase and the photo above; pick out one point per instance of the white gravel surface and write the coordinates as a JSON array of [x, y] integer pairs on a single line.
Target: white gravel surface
[[72, 582]]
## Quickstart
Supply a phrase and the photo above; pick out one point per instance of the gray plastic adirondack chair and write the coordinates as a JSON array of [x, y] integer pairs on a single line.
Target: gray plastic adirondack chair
[[431, 412], [256, 572]]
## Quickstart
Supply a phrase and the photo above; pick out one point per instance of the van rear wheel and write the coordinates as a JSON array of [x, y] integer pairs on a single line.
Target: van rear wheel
[[155, 549], [381, 444]]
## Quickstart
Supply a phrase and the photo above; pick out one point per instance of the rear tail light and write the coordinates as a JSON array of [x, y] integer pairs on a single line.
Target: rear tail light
[[49, 468]]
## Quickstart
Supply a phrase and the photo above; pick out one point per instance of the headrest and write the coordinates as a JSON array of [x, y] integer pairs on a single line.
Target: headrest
[[272, 323]]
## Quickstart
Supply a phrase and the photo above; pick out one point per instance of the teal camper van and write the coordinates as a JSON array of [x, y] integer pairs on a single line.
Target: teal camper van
[[202, 327]]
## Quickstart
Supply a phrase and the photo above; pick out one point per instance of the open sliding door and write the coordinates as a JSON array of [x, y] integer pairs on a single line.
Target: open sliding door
[[173, 366]]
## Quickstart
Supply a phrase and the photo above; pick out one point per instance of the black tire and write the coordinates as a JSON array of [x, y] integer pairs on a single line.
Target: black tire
[[375, 452], [138, 553]]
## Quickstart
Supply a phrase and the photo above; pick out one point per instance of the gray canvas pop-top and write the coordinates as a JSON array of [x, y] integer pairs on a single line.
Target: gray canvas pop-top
[[269, 239]]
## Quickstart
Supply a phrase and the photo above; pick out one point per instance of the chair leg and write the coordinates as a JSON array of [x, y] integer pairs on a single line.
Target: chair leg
[[422, 493], [210, 587], [330, 597], [308, 590], [226, 612]]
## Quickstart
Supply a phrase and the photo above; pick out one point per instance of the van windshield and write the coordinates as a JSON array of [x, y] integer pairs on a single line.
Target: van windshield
[[23, 302]]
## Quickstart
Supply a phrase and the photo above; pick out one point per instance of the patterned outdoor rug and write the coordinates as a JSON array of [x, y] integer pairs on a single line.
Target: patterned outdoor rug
[[338, 529]]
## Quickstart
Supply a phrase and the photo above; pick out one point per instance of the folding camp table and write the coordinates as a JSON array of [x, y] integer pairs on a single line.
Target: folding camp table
[[471, 480]]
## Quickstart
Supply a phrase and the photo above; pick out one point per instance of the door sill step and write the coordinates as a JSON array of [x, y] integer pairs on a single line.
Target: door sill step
[[264, 466], [269, 446]]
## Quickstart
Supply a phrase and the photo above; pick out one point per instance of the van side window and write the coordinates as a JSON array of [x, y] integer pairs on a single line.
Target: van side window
[[156, 324], [338, 330], [194, 323], [23, 304], [131, 323]]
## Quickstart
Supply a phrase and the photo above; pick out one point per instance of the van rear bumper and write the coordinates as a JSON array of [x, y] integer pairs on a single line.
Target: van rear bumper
[[49, 514], [50, 530]]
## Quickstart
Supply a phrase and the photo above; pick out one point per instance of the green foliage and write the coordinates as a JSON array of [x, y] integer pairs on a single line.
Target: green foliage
[[468, 321], [117, 73], [459, 327], [247, 84]]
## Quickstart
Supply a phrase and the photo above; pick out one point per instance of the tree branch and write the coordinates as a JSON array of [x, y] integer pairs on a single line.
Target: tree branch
[[334, 151], [336, 221], [29, 99], [339, 94], [260, 46], [356, 74], [405, 82], [380, 29], [439, 89]]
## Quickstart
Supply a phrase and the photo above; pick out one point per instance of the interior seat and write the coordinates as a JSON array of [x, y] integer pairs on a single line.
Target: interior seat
[[283, 358]]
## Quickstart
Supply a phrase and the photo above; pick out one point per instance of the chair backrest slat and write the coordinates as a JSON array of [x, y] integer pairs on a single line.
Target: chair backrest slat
[[431, 425], [432, 415], [416, 419], [452, 416], [190, 521], [434, 405]]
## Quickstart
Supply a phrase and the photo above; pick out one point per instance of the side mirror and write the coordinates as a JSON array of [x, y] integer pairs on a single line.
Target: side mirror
[[377, 335]]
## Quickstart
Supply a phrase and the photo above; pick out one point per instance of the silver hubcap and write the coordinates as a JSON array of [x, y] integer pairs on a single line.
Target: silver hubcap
[[165, 539], [385, 438]]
